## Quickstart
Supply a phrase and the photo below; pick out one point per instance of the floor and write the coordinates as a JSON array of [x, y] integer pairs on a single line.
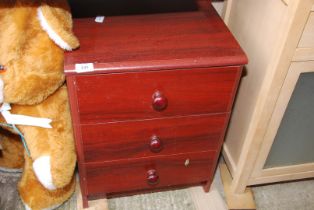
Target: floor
[[286, 196], [184, 199], [9, 198], [283, 196], [169, 200]]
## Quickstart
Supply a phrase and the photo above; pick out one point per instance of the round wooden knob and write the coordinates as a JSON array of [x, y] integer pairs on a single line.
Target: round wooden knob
[[1, 67], [152, 177], [155, 144], [160, 102]]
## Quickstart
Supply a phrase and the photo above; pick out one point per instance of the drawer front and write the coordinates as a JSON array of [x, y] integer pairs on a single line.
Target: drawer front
[[307, 40], [147, 173], [134, 139], [128, 96]]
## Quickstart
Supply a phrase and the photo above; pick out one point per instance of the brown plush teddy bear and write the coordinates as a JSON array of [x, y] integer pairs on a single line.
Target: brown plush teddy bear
[[33, 37]]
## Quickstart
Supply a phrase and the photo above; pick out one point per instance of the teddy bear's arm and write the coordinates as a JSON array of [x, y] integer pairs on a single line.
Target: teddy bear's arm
[[52, 150], [34, 76]]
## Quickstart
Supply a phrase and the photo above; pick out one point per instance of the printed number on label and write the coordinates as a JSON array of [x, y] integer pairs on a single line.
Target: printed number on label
[[84, 67]]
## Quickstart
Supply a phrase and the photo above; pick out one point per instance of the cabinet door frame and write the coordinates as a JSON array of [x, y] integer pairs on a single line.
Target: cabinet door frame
[[284, 173]]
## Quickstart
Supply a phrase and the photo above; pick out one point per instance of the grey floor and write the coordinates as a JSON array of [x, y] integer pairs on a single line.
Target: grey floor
[[9, 198], [168, 200], [283, 196], [297, 195]]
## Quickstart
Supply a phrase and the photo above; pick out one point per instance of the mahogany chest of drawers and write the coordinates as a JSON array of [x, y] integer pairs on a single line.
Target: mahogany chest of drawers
[[150, 99]]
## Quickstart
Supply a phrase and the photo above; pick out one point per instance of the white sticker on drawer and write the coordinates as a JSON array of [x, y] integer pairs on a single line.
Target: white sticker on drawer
[[84, 67]]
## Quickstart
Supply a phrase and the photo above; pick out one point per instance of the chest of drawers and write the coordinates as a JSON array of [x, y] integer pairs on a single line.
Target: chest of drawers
[[150, 100]]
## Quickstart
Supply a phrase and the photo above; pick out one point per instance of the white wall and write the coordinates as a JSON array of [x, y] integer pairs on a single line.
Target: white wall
[[218, 5]]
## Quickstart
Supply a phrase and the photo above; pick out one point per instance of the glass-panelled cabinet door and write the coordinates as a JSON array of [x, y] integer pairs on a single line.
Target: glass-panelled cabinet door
[[289, 151], [294, 141]]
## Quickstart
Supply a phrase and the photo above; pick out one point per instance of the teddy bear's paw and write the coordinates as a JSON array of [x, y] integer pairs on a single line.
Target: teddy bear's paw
[[42, 169], [27, 207]]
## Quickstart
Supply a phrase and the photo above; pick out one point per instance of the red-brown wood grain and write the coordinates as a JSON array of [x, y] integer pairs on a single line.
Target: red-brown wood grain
[[155, 42], [129, 96], [167, 77], [128, 175], [124, 140]]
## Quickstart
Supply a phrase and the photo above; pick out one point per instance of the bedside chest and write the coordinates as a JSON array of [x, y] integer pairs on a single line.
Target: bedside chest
[[150, 99]]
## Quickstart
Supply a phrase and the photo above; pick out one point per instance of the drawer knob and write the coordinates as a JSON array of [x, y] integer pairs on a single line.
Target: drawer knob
[[160, 102], [155, 144], [152, 177]]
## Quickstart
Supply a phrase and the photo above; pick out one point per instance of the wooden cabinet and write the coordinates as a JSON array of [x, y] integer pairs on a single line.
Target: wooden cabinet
[[150, 98], [278, 38]]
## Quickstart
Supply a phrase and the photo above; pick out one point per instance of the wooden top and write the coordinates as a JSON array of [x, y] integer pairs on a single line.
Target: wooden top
[[153, 42]]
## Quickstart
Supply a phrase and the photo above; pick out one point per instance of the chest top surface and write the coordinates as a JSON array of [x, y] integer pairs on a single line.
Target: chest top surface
[[154, 42]]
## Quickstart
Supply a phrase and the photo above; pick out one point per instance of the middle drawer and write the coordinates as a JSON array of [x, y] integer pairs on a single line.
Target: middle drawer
[[134, 139]]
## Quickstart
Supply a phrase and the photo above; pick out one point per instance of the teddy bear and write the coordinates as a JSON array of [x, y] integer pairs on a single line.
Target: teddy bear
[[33, 97]]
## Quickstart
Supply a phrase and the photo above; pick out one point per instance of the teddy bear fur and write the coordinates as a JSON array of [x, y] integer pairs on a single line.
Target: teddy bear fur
[[33, 37], [11, 153]]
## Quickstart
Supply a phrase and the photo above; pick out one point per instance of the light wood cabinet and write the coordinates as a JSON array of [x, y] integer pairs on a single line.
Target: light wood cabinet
[[278, 37]]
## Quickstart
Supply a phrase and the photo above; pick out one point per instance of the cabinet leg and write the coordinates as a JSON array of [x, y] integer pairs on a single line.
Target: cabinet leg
[[207, 186], [234, 200], [82, 201], [85, 202]]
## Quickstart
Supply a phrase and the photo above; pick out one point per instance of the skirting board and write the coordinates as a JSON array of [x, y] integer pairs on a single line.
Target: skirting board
[[235, 201]]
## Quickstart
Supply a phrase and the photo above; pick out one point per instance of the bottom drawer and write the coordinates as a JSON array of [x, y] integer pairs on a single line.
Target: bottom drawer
[[146, 173]]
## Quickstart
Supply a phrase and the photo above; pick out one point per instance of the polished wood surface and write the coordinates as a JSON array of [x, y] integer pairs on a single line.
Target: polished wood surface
[[155, 42], [132, 174], [125, 140], [128, 96], [77, 136], [152, 110]]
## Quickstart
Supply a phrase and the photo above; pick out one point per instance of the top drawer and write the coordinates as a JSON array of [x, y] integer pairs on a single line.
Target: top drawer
[[142, 95]]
